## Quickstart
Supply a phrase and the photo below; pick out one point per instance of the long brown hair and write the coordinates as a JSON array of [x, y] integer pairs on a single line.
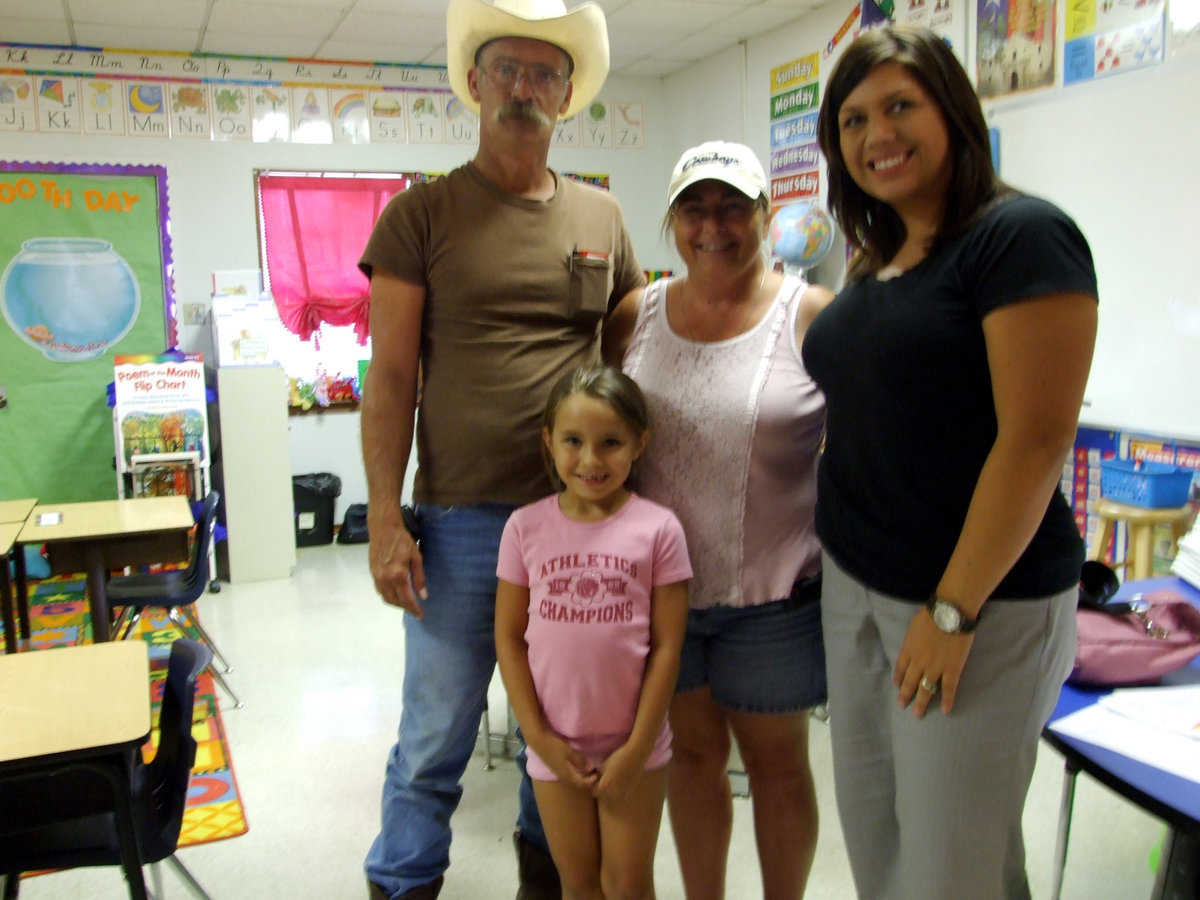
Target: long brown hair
[[600, 382], [871, 226]]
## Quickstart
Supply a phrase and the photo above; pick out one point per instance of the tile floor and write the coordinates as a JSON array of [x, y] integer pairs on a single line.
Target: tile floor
[[318, 661]]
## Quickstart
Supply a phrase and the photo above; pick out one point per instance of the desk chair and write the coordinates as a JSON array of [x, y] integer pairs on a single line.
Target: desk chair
[[113, 812], [175, 592]]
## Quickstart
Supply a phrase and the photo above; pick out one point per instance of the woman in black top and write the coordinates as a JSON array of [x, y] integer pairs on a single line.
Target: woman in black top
[[953, 364]]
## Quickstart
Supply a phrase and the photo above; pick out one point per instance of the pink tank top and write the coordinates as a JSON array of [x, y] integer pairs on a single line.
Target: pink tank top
[[735, 428]]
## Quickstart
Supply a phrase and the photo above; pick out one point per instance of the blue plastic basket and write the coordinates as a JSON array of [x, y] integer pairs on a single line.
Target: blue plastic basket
[[1144, 483]]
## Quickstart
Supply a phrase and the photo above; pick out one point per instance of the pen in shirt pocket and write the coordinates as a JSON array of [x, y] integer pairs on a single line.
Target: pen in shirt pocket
[[576, 253]]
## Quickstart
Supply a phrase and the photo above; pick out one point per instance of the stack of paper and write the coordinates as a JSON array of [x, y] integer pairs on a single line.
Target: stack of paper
[[1158, 726], [1187, 561], [1174, 709]]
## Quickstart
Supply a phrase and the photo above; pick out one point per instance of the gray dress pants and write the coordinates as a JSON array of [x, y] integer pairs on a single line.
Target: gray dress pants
[[931, 808]]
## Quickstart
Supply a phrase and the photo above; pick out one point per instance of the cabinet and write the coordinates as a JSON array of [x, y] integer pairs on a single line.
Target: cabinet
[[254, 474]]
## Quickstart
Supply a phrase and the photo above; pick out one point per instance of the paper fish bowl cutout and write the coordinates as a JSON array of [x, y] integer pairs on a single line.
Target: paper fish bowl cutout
[[70, 297], [801, 234]]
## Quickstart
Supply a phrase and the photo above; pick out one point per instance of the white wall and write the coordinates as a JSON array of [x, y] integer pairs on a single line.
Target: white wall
[[708, 102], [210, 195], [1118, 155]]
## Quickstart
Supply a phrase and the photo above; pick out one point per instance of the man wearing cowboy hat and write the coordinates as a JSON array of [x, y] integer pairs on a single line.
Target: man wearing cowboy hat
[[486, 286]]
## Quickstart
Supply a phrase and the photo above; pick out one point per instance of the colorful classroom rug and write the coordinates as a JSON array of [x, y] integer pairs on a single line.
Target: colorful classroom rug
[[58, 618]]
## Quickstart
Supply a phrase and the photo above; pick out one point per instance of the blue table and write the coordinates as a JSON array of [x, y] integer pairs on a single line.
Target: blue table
[[1173, 799]]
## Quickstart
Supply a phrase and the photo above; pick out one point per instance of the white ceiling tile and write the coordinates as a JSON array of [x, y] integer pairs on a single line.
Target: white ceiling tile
[[377, 27], [296, 7], [639, 43], [35, 31], [616, 59], [752, 21], [270, 21], [609, 6], [399, 9], [177, 14], [365, 51], [125, 37], [29, 9], [652, 68], [649, 38], [437, 57], [666, 17], [244, 44], [697, 46]]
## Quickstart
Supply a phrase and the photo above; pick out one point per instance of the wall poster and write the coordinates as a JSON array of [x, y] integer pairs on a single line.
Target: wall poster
[[1015, 46], [793, 166], [178, 96], [86, 275], [1107, 38]]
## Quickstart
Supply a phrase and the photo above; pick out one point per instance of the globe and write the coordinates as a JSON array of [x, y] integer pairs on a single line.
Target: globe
[[801, 234]]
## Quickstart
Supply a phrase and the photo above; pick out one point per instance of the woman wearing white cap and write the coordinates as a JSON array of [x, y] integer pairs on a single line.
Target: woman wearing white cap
[[738, 423]]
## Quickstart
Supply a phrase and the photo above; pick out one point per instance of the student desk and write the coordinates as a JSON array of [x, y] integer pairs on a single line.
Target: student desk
[[16, 510], [97, 536], [8, 539], [91, 705], [1171, 798], [12, 515]]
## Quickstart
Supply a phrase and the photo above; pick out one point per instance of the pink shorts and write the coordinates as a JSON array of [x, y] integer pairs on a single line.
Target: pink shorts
[[597, 748]]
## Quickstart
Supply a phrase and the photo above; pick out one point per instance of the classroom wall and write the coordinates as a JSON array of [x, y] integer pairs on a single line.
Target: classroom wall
[[739, 80], [1118, 154], [210, 193], [1111, 153], [1120, 157]]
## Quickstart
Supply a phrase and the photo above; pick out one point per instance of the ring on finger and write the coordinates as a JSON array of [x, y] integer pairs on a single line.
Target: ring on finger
[[927, 685]]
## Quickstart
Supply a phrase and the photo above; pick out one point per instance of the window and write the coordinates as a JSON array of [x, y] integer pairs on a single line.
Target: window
[[312, 229]]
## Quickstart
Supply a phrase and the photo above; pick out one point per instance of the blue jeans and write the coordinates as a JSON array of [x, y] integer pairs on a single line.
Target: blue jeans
[[449, 658]]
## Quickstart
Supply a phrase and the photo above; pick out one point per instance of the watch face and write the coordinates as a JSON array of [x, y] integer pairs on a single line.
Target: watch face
[[946, 617]]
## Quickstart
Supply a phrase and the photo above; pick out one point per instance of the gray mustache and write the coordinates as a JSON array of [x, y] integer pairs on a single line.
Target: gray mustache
[[522, 109]]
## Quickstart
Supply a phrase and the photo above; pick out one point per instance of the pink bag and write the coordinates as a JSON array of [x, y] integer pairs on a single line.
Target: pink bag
[[1137, 642]]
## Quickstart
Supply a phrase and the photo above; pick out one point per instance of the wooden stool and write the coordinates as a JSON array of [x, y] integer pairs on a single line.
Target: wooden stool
[[1142, 523]]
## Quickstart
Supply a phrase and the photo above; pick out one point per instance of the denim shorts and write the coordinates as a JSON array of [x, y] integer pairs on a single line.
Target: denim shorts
[[767, 659]]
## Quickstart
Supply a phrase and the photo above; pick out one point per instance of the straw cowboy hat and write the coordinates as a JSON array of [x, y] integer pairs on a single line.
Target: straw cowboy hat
[[582, 33]]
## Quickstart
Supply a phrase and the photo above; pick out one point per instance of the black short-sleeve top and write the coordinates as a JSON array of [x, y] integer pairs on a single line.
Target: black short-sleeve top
[[911, 417]]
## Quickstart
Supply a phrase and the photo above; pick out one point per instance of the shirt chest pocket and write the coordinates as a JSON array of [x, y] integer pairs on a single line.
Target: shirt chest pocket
[[591, 286]]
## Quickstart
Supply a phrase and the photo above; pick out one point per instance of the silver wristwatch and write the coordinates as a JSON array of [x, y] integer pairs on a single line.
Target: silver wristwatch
[[949, 617]]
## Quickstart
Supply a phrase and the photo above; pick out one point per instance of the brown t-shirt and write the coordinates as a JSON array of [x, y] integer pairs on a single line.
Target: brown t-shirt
[[516, 291]]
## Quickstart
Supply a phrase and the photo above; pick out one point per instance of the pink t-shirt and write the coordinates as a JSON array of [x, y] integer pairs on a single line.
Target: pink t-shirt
[[589, 606]]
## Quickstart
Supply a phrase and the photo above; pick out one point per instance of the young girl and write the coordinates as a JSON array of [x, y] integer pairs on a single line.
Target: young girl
[[590, 614]]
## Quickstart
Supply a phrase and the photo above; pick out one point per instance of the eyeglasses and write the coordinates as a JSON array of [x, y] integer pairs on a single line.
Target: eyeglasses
[[732, 212], [506, 73]]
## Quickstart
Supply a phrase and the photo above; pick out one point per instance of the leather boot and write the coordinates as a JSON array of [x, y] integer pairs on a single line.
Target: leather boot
[[421, 892], [536, 871]]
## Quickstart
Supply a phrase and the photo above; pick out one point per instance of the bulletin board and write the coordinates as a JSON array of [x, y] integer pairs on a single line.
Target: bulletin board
[[86, 276]]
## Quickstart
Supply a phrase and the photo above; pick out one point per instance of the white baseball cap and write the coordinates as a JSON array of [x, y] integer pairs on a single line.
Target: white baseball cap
[[735, 164]]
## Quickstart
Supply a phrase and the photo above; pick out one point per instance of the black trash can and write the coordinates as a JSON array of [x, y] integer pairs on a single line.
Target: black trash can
[[312, 497]]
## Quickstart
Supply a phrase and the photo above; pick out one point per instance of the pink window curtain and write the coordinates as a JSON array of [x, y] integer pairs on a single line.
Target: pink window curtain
[[314, 230]]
